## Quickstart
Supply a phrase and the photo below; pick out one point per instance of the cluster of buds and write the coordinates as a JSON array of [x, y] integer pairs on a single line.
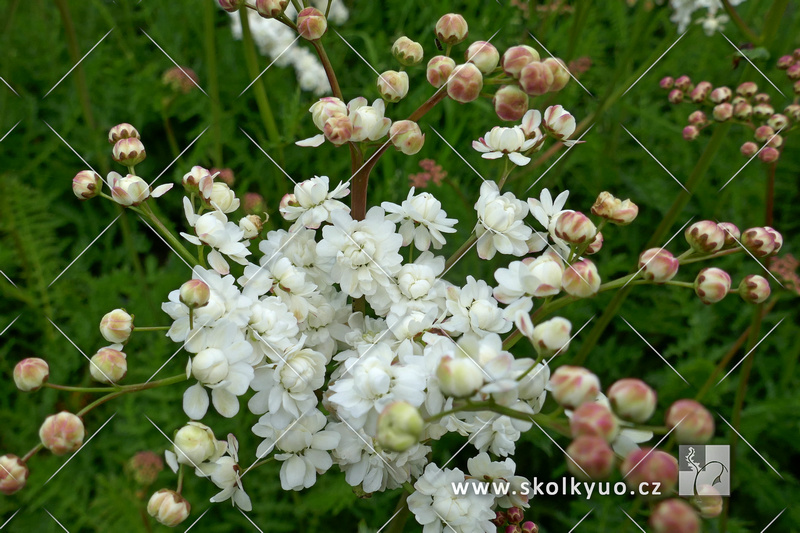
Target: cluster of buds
[[512, 520], [791, 64], [745, 105]]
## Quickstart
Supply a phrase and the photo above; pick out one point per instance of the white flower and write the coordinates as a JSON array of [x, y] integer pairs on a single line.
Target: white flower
[[474, 309], [419, 287], [364, 254], [369, 124], [422, 220], [501, 227], [683, 10], [313, 203], [546, 211], [194, 443], [224, 473], [482, 468], [223, 198], [490, 432], [274, 324], [130, 190], [501, 141], [538, 278], [224, 237], [558, 122]]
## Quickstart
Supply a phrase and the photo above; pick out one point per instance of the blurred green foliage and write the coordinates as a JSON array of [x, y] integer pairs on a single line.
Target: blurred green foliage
[[45, 230]]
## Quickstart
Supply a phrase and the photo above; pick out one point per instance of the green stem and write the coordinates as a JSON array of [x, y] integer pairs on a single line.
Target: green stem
[[132, 388], [179, 489], [740, 23], [401, 513], [25, 458], [80, 73], [772, 21], [723, 253], [460, 252], [145, 210], [210, 45], [326, 63]]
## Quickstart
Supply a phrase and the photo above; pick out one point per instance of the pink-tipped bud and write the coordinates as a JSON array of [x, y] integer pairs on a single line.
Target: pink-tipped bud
[[311, 24], [575, 228], [778, 121], [144, 468], [108, 365], [720, 95], [749, 149], [708, 501], [732, 234], [675, 96], [691, 422], [194, 294], [512, 528], [271, 8], [769, 155], [459, 377], [684, 83], [777, 239], [536, 78], [406, 136], [62, 433], [747, 89], [13, 474], [667, 82], [690, 133], [168, 507], [712, 285], [510, 103], [251, 225], [698, 118], [407, 52], [632, 399], [558, 122], [596, 245], [793, 72], [581, 279], [674, 516], [722, 112], [742, 110], [705, 236], [483, 55], [700, 92], [516, 58], [658, 265], [393, 85], [572, 386], [776, 141], [129, 152], [399, 426], [560, 73], [763, 111], [515, 515], [231, 6], [596, 419], [31, 373], [439, 70], [499, 519], [465, 83], [338, 129], [793, 111], [86, 184], [451, 29], [116, 326], [785, 62], [529, 527], [198, 179], [122, 131], [754, 289], [620, 212], [590, 457], [758, 241], [551, 336], [647, 465], [763, 133]]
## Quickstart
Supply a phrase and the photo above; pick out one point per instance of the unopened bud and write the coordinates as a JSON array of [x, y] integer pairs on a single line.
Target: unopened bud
[[510, 103], [758, 241], [406, 136], [722, 112], [575, 228], [747, 89], [763, 133], [581, 279], [459, 376], [708, 501], [769, 155], [439, 70], [593, 418], [742, 110], [777, 239], [684, 83], [705, 236], [198, 180], [712, 284], [589, 457], [699, 94], [399, 426], [778, 121], [674, 516], [13, 474], [144, 468], [210, 366], [128, 152], [785, 62], [749, 149], [393, 85], [763, 110], [793, 72], [62, 433], [675, 96], [251, 225], [596, 245], [720, 95], [516, 58], [195, 443], [31, 373], [451, 29], [658, 265], [573, 386], [108, 365], [407, 52], [515, 515], [536, 78], [698, 118], [338, 129], [632, 399], [732, 234], [551, 336], [651, 467], [754, 289], [86, 184], [667, 82], [271, 8], [529, 527], [690, 421], [195, 293], [560, 73], [620, 212], [223, 197], [311, 24], [690, 133], [793, 111], [483, 55], [168, 507], [116, 326], [465, 83], [122, 131]]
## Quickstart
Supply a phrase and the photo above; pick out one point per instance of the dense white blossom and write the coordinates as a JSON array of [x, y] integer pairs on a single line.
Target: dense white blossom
[[313, 202], [501, 227], [422, 220]]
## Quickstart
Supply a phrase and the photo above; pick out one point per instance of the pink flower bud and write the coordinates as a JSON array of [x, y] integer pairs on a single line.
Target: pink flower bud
[[62, 433], [705, 236], [776, 141], [796, 53], [777, 239], [558, 122], [116, 326], [747, 89], [560, 73], [575, 228], [407, 52], [712, 284], [732, 234], [793, 110], [701, 92], [674, 516], [393, 85], [168, 507], [128, 152], [589, 457], [573, 386], [499, 519], [231, 5], [251, 225], [709, 501], [648, 465], [31, 373], [338, 129], [451, 29], [592, 418], [683, 83], [754, 289], [785, 62], [778, 121], [667, 82], [763, 110], [311, 24], [742, 110], [13, 474], [406, 136], [510, 103], [763, 133], [122, 131], [529, 527], [692, 422], [769, 155], [144, 467], [793, 72], [551, 336], [399, 426], [581, 279], [515, 515], [108, 365], [632, 399], [758, 241], [536, 78], [516, 58], [459, 377], [596, 245], [483, 55], [271, 8], [620, 212], [698, 118], [195, 293], [749, 149], [439, 70], [675, 96], [690, 133], [465, 83], [720, 95], [723, 112], [512, 528], [658, 265], [86, 184]]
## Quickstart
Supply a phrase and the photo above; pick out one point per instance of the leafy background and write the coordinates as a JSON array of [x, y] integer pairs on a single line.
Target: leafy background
[[44, 228]]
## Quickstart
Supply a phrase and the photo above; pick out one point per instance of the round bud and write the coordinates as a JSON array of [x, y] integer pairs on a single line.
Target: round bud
[[793, 72], [701, 91], [196, 177], [747, 89], [223, 197], [122, 131], [581, 279], [620, 212], [596, 245], [338, 129], [762, 111], [86, 184], [691, 422], [271, 8], [675, 96], [732, 234], [439, 70], [698, 118], [465, 83], [573, 386], [684, 83], [658, 265], [758, 241], [551, 336], [62, 433], [763, 133], [459, 377], [407, 52], [667, 82], [721, 94], [399, 426], [144, 468], [406, 136], [251, 225], [393, 85], [560, 73], [13, 474], [705, 236], [451, 29], [483, 55], [529, 527], [575, 228], [648, 465], [674, 516], [723, 112], [690, 133], [128, 152], [116, 326], [749, 149], [31, 373], [776, 141], [769, 155], [742, 110], [777, 239], [632, 399], [194, 293], [712, 284], [754, 289], [785, 62], [593, 418], [210, 366], [195, 443], [589, 457], [793, 110], [510, 103], [515, 515], [311, 24], [108, 365], [778, 121], [168, 507], [535, 78], [709, 501], [516, 58]]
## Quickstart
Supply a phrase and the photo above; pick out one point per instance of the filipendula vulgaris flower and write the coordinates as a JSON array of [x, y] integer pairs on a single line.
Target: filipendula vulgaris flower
[[484, 470], [473, 308], [501, 227], [312, 202], [527, 279], [546, 211], [194, 444], [355, 122], [224, 473], [422, 220], [224, 237]]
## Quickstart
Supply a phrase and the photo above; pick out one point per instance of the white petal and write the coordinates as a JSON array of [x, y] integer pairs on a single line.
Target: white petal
[[312, 142], [519, 159], [195, 402], [161, 189], [293, 471], [225, 403], [218, 263]]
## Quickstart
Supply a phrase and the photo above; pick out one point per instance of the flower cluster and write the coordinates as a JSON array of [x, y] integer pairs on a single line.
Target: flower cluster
[[713, 21]]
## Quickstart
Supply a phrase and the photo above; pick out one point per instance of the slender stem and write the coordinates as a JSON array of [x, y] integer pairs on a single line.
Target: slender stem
[[132, 388], [70, 388], [401, 513], [773, 19], [769, 215], [173, 142], [32, 452], [740, 23], [145, 210], [326, 63], [80, 73], [723, 253], [460, 252], [181, 473], [261, 463], [210, 46]]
